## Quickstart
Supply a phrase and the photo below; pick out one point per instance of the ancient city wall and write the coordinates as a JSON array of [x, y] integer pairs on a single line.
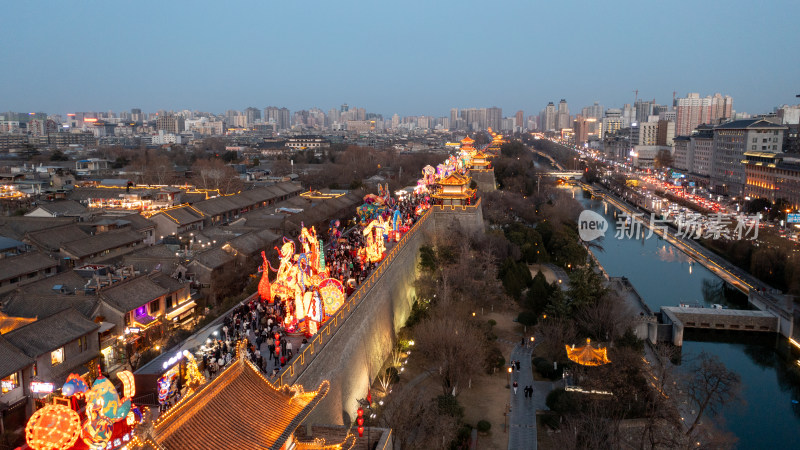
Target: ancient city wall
[[351, 350]]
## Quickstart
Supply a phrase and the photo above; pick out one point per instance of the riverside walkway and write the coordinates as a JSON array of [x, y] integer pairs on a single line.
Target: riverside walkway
[[522, 419]]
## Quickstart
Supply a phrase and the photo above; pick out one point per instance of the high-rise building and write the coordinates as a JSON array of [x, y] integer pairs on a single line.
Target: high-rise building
[[136, 115], [693, 110], [279, 116], [562, 120], [666, 132], [453, 115], [644, 133], [581, 127], [494, 118], [252, 115], [643, 109], [549, 122], [595, 111], [519, 119], [627, 115], [612, 121]]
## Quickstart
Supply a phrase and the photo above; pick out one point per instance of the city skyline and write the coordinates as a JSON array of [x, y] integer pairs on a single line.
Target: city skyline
[[394, 59]]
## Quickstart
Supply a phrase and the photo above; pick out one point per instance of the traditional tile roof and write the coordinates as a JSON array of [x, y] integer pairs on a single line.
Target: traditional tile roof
[[149, 257], [748, 123], [64, 208], [52, 239], [23, 264], [213, 258], [69, 281], [50, 333], [219, 205], [253, 242], [17, 227], [22, 304], [127, 295], [182, 215], [11, 358], [238, 409], [100, 242], [137, 221]]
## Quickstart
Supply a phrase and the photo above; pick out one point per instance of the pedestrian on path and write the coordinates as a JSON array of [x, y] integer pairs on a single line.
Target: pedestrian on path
[[515, 388]]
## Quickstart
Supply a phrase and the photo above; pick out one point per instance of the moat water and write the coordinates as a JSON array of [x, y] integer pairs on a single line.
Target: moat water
[[767, 364]]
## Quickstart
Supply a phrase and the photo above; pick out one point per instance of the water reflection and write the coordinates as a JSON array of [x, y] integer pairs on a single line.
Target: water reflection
[[665, 276]]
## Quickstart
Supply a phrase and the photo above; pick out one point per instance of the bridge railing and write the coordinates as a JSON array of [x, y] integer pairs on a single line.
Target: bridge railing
[[318, 342]]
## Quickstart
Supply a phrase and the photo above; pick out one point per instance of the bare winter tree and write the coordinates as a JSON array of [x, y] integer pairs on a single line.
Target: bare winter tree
[[456, 347], [606, 319], [710, 386]]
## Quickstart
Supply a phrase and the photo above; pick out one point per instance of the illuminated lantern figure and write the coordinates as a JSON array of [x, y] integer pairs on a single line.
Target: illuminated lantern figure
[[167, 387], [332, 294], [264, 290], [53, 427], [128, 385], [74, 385], [103, 397], [97, 430]]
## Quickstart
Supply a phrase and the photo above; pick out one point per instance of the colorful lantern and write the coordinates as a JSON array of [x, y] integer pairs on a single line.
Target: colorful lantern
[[264, 290], [54, 427], [74, 385], [103, 398], [332, 293], [128, 385]]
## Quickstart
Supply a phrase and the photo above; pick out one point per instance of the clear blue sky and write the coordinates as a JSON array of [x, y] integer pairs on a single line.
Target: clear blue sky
[[406, 57]]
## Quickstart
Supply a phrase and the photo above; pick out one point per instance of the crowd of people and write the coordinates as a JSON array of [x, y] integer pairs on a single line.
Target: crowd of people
[[269, 346]]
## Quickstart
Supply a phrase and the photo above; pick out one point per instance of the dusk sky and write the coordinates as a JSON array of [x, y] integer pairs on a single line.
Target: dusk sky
[[410, 57]]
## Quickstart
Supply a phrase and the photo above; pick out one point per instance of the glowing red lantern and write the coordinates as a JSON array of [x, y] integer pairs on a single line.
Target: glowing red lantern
[[360, 431], [53, 427], [369, 396]]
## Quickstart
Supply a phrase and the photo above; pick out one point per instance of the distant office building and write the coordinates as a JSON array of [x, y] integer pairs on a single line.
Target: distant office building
[[789, 115], [628, 116], [701, 149], [549, 122], [563, 115], [494, 118], [520, 119], [581, 128], [612, 121], [731, 141], [682, 158], [170, 124], [772, 176], [666, 132], [693, 110], [595, 111], [252, 115], [279, 116], [644, 133], [644, 109]]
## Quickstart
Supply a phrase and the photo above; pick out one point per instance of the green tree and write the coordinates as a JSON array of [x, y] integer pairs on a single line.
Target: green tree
[[585, 287]]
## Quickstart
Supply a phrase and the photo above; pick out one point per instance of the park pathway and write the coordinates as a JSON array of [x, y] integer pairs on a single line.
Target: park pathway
[[522, 420]]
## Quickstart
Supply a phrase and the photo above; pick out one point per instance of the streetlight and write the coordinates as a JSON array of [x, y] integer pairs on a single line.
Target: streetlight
[[508, 378]]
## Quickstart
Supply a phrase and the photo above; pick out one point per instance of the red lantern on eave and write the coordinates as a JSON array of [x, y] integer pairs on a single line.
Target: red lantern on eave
[[369, 396], [360, 431], [360, 412], [360, 421]]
